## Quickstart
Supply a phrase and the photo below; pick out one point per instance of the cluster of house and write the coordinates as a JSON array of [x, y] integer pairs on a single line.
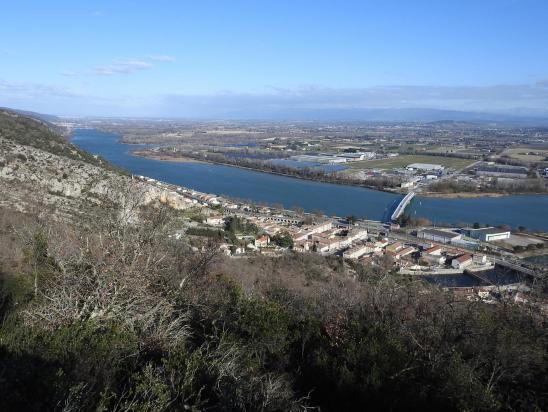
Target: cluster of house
[[365, 250], [329, 237], [181, 198], [326, 239], [322, 237], [436, 256]]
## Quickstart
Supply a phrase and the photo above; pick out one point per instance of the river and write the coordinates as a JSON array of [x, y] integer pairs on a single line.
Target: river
[[498, 276], [530, 211]]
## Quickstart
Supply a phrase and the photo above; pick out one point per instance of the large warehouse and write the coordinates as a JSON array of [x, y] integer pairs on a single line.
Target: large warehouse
[[424, 166], [489, 234], [437, 235], [502, 171]]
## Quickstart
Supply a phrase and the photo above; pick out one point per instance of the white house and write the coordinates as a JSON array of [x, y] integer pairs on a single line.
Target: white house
[[433, 259], [462, 262], [434, 250], [215, 220], [262, 241], [480, 259], [357, 251]]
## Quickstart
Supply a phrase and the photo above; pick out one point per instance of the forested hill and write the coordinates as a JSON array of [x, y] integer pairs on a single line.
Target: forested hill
[[114, 313]]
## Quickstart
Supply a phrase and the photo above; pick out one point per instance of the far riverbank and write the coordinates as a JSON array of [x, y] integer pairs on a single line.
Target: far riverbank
[[157, 156], [330, 198], [148, 154]]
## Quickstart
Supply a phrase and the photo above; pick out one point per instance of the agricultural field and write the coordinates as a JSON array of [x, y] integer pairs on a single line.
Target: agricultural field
[[527, 154], [447, 149], [403, 161]]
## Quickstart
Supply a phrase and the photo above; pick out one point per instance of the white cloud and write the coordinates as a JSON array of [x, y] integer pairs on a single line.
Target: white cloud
[[125, 66], [34, 90], [311, 101], [122, 66], [69, 73], [162, 58], [529, 99]]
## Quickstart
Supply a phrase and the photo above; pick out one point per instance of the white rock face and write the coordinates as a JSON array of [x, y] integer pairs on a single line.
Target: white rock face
[[30, 178]]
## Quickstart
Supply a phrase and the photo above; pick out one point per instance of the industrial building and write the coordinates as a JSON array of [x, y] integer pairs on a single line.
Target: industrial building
[[437, 235], [357, 156], [488, 234], [519, 172], [321, 158], [425, 166]]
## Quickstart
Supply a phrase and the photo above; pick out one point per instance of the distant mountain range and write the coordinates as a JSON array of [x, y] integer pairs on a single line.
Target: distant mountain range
[[407, 115], [391, 115], [48, 118]]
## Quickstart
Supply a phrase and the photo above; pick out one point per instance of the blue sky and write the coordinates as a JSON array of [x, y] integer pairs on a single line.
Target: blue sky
[[215, 58]]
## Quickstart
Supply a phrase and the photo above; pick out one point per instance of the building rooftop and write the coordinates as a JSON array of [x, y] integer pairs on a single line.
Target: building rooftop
[[433, 249], [463, 258], [425, 166], [394, 247], [490, 230], [441, 233], [502, 168]]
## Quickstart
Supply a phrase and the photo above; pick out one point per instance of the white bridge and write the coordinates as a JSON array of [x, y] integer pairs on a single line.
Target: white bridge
[[402, 205]]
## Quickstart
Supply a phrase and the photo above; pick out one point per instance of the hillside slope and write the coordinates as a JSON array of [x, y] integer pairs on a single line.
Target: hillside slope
[[28, 131], [42, 171]]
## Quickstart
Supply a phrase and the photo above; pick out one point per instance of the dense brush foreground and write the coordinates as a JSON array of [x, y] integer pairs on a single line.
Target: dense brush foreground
[[111, 313], [117, 316]]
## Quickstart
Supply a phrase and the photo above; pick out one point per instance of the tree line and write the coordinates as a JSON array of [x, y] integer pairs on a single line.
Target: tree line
[[374, 182]]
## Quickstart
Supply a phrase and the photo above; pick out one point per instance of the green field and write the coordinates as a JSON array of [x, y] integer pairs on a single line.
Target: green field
[[403, 161], [527, 153]]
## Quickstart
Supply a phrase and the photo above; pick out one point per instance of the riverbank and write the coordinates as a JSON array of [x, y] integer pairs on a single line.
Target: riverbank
[[461, 195], [472, 195], [532, 253], [147, 154]]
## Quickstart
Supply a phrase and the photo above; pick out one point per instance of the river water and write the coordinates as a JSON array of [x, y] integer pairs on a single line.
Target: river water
[[332, 199], [497, 276]]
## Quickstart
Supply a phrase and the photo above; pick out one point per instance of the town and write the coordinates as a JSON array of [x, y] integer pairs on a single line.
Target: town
[[242, 230]]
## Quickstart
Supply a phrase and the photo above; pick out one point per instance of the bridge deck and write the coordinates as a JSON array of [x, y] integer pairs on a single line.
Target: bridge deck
[[402, 205]]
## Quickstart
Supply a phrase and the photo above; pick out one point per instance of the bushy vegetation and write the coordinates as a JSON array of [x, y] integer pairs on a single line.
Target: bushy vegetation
[[496, 185], [406, 220], [121, 317], [283, 240], [237, 225], [376, 182]]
